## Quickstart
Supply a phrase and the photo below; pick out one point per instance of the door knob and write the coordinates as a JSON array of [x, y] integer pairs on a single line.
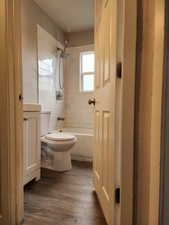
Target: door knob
[[92, 101]]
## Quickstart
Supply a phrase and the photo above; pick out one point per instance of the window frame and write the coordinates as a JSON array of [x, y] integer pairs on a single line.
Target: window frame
[[82, 74]]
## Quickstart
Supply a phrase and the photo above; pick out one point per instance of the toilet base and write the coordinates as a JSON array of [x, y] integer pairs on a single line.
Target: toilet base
[[62, 161]]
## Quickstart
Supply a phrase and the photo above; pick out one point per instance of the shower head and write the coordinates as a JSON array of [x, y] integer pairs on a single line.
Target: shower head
[[64, 54]]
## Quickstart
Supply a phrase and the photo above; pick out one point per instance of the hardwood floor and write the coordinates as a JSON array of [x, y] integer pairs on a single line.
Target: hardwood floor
[[63, 199]]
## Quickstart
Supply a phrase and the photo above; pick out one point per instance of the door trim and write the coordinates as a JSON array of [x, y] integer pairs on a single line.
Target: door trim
[[164, 185], [11, 111], [148, 112], [128, 108]]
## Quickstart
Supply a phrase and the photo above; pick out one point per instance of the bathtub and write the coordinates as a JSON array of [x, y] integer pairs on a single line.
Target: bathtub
[[83, 149]]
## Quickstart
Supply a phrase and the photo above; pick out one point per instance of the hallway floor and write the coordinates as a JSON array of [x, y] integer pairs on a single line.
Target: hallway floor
[[63, 199]]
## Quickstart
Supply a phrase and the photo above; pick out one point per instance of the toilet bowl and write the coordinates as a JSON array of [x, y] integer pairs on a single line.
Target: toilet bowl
[[60, 144]]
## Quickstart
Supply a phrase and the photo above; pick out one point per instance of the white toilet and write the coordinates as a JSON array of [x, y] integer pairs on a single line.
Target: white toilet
[[59, 143]]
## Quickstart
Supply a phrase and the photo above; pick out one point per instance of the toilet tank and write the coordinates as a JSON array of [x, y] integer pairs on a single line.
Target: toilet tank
[[44, 120]]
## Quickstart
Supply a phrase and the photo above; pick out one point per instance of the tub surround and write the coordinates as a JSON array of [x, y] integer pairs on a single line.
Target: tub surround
[[79, 116], [47, 46], [32, 15], [78, 113]]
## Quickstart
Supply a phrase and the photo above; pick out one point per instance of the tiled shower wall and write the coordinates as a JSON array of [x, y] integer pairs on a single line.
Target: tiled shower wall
[[78, 114], [32, 15], [47, 46]]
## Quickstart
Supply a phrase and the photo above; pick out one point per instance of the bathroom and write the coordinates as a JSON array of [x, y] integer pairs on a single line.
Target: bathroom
[[58, 64]]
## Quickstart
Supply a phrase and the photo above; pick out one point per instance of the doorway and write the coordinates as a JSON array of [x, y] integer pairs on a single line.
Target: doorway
[[122, 63], [61, 84]]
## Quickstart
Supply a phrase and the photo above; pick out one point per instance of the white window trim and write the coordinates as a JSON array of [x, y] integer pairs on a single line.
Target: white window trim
[[85, 73]]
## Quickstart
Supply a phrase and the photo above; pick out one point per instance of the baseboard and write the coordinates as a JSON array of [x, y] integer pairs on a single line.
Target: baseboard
[[81, 158], [82, 164]]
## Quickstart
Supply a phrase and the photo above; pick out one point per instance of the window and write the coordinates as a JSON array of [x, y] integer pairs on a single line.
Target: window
[[46, 82], [87, 71], [46, 67]]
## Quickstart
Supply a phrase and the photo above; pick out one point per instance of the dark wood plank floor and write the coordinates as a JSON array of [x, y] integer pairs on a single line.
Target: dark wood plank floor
[[63, 199]]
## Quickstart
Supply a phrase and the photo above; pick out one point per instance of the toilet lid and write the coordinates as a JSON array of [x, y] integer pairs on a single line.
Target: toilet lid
[[60, 136]]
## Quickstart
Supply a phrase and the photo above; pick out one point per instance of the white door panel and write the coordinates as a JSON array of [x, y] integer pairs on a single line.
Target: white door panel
[[115, 25], [105, 94]]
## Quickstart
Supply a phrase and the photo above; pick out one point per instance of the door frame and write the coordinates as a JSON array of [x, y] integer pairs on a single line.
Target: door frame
[[164, 179], [148, 111], [11, 113], [12, 118], [128, 110]]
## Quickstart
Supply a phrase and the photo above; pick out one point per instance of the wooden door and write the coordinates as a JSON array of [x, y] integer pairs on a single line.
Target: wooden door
[[105, 94], [115, 41]]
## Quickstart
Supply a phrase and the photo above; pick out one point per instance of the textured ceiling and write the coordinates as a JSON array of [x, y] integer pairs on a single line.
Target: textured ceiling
[[70, 15]]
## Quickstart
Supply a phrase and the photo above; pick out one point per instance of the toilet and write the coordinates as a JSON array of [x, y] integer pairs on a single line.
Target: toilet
[[59, 144]]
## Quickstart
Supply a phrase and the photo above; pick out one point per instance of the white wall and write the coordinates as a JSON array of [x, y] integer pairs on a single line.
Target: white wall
[[77, 111], [80, 38]]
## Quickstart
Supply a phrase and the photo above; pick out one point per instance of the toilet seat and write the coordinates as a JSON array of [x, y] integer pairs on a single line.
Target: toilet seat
[[60, 137], [60, 144]]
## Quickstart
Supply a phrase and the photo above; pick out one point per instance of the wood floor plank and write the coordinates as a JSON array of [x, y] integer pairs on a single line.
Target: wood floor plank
[[63, 199]]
